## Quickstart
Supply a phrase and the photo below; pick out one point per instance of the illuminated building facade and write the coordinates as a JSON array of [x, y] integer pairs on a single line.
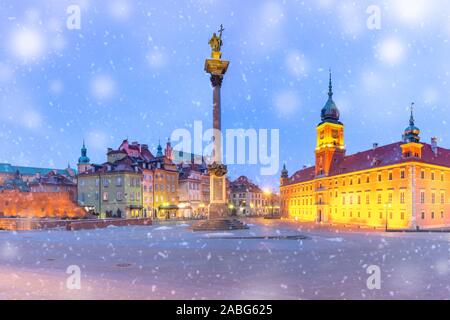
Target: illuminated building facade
[[403, 185], [133, 183]]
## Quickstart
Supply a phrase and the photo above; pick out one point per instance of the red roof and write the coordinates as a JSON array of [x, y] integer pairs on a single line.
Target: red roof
[[243, 184], [378, 157]]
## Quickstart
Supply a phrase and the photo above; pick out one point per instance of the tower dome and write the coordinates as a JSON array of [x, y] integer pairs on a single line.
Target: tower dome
[[411, 133], [84, 158], [284, 172], [159, 152], [330, 112]]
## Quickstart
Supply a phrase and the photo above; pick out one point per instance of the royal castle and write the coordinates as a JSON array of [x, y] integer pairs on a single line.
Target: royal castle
[[403, 185]]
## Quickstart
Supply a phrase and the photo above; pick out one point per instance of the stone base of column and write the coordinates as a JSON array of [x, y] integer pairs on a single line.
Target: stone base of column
[[218, 211], [219, 225], [219, 220]]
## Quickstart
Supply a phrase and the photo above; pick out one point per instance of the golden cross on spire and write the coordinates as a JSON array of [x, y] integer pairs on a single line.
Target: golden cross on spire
[[221, 30]]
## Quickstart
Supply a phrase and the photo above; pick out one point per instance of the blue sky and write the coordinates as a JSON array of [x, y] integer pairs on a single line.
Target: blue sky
[[135, 69]]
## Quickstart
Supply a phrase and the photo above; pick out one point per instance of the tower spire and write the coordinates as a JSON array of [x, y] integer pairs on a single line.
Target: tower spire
[[411, 118], [330, 85]]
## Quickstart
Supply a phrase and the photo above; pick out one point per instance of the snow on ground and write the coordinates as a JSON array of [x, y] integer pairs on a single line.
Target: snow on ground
[[162, 262]]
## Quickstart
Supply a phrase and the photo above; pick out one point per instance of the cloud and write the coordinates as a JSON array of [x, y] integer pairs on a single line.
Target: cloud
[[18, 109], [120, 10], [156, 58], [102, 87], [411, 12], [391, 51], [371, 81], [295, 63], [97, 140], [266, 27], [6, 73], [351, 18], [27, 44], [56, 86], [430, 95], [287, 102]]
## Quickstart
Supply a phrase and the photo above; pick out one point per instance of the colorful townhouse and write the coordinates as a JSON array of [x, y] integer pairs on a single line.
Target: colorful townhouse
[[133, 183]]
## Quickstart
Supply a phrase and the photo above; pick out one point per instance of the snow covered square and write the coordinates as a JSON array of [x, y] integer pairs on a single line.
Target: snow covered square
[[169, 261]]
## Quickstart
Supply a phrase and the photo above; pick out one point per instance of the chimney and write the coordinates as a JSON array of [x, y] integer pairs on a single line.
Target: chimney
[[375, 145], [434, 146]]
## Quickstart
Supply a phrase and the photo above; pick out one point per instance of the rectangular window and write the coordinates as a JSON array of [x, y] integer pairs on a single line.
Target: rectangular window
[[422, 174], [390, 175], [119, 196], [422, 196], [442, 197], [402, 197], [379, 199], [367, 199], [432, 175], [379, 177], [390, 197], [423, 215], [105, 196], [118, 181], [402, 174], [105, 182], [402, 215], [433, 198]]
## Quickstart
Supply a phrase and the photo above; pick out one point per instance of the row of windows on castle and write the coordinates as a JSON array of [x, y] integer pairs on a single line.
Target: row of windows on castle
[[350, 199], [359, 180], [369, 215]]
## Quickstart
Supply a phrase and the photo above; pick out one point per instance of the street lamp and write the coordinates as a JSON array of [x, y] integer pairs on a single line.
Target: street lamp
[[269, 193]]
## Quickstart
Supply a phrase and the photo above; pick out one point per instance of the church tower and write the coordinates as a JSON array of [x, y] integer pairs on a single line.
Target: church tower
[[83, 161], [284, 175], [330, 148], [168, 151], [411, 148]]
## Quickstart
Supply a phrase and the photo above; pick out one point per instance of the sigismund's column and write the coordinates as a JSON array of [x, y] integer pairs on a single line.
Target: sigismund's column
[[216, 67]]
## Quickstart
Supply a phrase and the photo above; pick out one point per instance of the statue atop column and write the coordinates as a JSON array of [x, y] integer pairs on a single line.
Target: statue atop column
[[216, 43]]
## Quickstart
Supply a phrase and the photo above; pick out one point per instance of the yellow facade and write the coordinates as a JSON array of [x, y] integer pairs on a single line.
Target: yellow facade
[[403, 196], [408, 192]]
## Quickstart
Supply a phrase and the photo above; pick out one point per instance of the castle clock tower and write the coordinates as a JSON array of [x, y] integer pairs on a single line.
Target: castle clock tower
[[330, 148]]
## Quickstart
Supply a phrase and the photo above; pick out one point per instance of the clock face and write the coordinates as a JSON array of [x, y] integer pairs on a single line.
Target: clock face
[[335, 134]]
